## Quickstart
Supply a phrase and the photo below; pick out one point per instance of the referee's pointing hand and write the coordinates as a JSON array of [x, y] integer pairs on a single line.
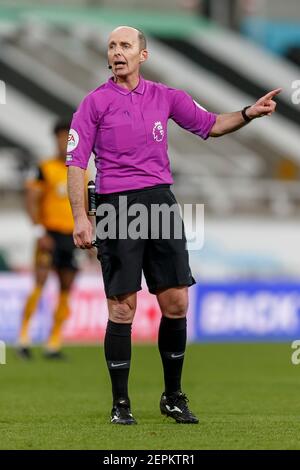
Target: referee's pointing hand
[[265, 106]]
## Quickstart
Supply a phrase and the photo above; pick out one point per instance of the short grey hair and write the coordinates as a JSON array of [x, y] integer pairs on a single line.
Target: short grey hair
[[142, 39]]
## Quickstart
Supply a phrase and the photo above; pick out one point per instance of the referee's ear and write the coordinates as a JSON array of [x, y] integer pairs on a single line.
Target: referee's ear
[[143, 55]]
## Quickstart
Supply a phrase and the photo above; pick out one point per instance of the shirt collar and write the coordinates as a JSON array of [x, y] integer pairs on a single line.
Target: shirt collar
[[139, 89]]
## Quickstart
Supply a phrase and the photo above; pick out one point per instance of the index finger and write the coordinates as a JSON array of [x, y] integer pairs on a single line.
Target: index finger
[[273, 93]]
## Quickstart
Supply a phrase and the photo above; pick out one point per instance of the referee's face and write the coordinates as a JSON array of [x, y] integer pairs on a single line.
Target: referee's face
[[124, 52]]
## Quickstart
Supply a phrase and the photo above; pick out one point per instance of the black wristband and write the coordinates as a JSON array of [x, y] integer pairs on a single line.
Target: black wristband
[[246, 118]]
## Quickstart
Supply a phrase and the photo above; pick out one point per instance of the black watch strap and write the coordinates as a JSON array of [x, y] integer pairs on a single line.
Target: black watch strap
[[246, 118]]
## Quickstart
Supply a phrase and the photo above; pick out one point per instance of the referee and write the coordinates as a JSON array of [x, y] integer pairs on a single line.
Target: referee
[[124, 123]]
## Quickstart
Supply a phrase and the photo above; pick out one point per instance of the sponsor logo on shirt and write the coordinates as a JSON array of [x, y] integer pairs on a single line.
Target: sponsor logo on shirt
[[73, 140], [69, 158], [158, 131]]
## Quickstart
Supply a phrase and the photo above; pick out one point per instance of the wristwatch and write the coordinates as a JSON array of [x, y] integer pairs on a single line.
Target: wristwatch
[[245, 116]]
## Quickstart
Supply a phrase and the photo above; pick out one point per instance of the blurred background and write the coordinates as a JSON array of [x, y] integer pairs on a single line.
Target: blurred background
[[226, 54]]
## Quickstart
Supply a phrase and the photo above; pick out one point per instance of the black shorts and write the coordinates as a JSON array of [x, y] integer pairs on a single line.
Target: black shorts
[[164, 261], [63, 254]]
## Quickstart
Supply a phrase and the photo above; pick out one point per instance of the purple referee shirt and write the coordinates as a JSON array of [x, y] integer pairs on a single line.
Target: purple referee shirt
[[127, 132]]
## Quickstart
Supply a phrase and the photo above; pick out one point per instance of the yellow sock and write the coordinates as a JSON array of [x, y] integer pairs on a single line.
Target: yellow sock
[[29, 310], [61, 314]]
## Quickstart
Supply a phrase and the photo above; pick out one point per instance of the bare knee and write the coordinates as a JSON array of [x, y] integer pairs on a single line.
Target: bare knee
[[66, 278], [174, 304], [176, 309], [121, 313], [122, 310]]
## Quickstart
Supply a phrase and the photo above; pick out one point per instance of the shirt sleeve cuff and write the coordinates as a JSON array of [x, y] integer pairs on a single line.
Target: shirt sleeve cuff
[[212, 123], [81, 165]]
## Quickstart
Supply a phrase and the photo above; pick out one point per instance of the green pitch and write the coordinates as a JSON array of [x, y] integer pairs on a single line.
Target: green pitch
[[247, 397]]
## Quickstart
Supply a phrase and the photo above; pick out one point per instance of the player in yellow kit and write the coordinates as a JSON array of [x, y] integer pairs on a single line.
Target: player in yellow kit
[[49, 209]]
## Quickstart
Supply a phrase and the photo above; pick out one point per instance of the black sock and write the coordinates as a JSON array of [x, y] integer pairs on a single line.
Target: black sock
[[117, 348], [171, 343]]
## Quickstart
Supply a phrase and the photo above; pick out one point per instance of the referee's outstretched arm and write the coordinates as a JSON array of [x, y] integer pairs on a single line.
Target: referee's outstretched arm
[[230, 122]]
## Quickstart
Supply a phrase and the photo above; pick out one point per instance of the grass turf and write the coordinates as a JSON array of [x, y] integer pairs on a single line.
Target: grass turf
[[246, 395]]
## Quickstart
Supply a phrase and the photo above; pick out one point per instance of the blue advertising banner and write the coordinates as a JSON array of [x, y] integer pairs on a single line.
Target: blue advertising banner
[[247, 311]]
